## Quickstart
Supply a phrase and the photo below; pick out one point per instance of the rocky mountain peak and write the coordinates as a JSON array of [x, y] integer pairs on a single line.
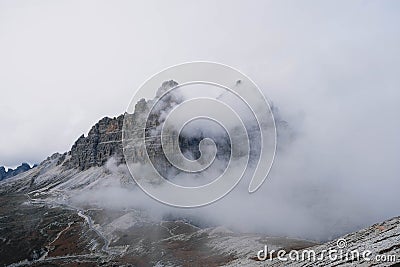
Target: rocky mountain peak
[[165, 86], [12, 172], [104, 139]]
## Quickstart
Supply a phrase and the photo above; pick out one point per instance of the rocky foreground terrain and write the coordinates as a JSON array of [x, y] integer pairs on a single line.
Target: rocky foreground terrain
[[43, 225], [81, 208]]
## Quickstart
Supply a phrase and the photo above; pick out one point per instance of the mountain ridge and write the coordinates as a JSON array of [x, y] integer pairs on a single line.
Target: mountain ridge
[[9, 173]]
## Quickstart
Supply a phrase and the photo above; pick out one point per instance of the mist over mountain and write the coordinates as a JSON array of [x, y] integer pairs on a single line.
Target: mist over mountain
[[68, 69], [87, 197]]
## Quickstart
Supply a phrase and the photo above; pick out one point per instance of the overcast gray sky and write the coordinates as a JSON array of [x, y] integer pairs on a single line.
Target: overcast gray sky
[[332, 67]]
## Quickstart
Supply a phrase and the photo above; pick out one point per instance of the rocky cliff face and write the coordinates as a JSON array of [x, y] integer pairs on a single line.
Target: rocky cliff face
[[10, 172], [103, 141]]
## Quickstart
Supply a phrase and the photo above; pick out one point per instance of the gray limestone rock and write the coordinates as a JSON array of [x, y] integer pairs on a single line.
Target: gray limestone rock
[[103, 141]]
